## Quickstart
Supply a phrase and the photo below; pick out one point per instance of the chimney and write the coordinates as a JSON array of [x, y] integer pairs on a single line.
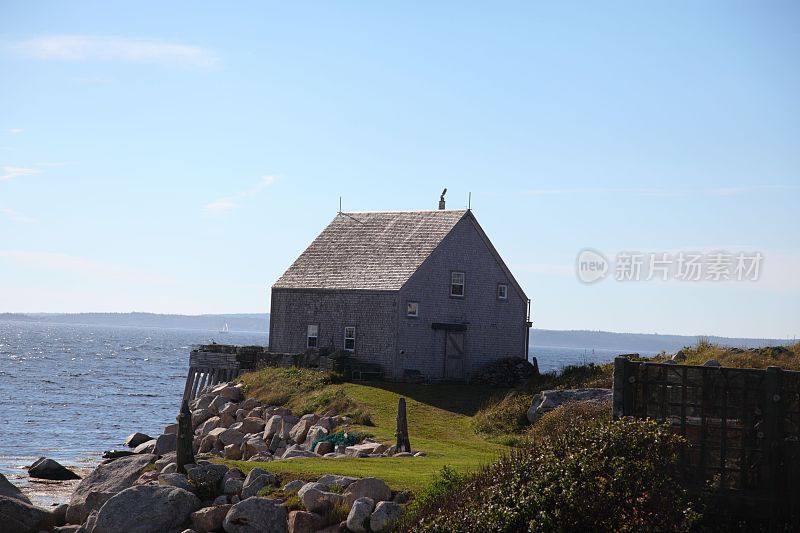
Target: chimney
[[441, 200]]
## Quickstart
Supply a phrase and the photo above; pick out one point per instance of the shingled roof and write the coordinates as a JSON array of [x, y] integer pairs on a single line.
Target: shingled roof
[[377, 250]]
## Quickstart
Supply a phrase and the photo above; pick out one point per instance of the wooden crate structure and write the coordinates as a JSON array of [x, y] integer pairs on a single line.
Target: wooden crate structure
[[742, 427]]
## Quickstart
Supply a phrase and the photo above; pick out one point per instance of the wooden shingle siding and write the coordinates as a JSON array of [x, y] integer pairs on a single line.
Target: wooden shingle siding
[[372, 313], [495, 328]]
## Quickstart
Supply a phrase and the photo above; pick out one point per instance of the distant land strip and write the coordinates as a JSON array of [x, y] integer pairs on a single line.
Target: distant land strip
[[259, 322]]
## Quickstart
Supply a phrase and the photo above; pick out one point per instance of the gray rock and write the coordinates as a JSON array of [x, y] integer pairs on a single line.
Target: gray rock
[[91, 520], [176, 480], [384, 516], [233, 452], [249, 404], [231, 436], [276, 443], [111, 477], [201, 415], [230, 409], [273, 426], [256, 515], [331, 480], [294, 486], [210, 518], [171, 428], [166, 443], [323, 447], [135, 439], [318, 501], [229, 392], [218, 404], [146, 447], [9, 490], [74, 528], [370, 487], [308, 486], [233, 486], [206, 427], [300, 430], [548, 400], [294, 452], [222, 499], [170, 468], [59, 514], [360, 514], [712, 362], [314, 433], [304, 522], [20, 517], [208, 476], [252, 425], [146, 509], [166, 459], [256, 480]]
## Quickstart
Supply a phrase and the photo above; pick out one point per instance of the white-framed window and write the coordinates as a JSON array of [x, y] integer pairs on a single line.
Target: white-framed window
[[312, 335], [502, 291], [457, 284], [350, 338], [412, 309]]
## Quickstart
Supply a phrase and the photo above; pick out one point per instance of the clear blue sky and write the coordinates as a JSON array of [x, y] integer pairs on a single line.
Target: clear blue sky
[[177, 157]]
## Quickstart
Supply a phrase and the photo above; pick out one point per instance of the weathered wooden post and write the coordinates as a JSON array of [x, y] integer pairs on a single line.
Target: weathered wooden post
[[619, 387], [184, 446], [403, 444]]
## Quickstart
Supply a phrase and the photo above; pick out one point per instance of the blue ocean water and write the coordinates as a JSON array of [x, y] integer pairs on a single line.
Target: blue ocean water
[[71, 391]]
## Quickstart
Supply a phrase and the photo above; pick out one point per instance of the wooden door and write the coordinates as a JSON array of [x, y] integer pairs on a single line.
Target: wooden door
[[454, 356]]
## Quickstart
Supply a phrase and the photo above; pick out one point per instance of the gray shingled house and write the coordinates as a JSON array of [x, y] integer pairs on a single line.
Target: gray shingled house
[[420, 292]]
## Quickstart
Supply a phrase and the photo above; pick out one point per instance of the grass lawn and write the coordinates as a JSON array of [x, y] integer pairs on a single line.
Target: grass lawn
[[439, 423]]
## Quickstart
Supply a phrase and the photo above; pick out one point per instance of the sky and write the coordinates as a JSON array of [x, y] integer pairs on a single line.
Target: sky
[[177, 157]]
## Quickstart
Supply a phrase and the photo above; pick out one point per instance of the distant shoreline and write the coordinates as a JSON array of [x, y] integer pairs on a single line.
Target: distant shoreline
[[258, 323]]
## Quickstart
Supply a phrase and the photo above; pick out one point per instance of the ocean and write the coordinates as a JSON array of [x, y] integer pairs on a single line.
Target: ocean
[[70, 391]]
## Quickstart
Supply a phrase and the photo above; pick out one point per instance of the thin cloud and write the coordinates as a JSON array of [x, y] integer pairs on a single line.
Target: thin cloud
[[88, 47], [77, 265], [661, 191], [16, 216], [15, 172], [229, 203], [14, 131]]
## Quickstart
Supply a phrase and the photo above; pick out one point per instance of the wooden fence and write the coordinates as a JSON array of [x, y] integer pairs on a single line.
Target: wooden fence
[[742, 428]]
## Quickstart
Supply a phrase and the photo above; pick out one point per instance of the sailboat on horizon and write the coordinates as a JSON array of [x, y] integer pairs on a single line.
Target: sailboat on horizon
[[225, 329]]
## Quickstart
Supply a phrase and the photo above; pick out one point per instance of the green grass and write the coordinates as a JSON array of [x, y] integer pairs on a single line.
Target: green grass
[[787, 357], [439, 423]]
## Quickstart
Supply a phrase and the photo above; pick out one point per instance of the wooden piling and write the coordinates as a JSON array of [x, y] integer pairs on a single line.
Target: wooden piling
[[403, 444], [185, 452]]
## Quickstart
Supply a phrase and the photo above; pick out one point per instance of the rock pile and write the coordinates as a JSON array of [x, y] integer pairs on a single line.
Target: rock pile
[[227, 425], [144, 493], [506, 372]]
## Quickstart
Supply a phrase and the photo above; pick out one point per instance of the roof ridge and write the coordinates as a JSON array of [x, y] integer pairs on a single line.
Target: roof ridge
[[464, 210]]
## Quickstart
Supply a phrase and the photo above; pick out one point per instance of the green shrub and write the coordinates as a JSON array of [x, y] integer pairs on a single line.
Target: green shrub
[[444, 483], [570, 415], [618, 476], [509, 415]]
